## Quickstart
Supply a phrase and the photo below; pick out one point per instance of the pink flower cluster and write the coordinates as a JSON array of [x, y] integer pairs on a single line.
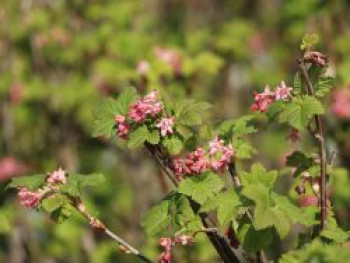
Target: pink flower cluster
[[31, 199], [148, 106], [341, 103], [263, 100], [58, 176], [166, 126], [220, 154], [123, 127], [198, 161], [167, 243]]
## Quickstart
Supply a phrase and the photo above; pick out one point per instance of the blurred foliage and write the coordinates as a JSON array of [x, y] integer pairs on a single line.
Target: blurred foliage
[[59, 58]]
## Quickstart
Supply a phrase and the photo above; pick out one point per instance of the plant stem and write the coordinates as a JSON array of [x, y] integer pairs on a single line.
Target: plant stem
[[319, 136], [218, 241], [96, 224]]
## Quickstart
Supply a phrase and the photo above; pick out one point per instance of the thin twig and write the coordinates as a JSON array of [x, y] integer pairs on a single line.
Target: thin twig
[[96, 224], [319, 136]]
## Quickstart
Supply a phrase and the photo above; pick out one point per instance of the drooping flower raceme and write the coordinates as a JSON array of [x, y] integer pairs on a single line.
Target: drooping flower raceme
[[123, 127], [166, 126], [217, 157], [165, 256], [220, 153], [58, 176], [196, 162], [179, 167], [29, 199], [263, 100], [149, 105]]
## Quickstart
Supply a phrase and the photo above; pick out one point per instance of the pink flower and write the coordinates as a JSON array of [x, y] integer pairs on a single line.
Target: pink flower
[[283, 92], [220, 153], [28, 198], [142, 67], [263, 100], [341, 103], [165, 242], [123, 127], [164, 257], [184, 240], [196, 162], [58, 176], [149, 105], [178, 167], [215, 145], [171, 57], [166, 126]]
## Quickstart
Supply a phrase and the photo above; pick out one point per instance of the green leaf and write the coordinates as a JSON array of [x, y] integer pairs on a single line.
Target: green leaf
[[62, 213], [263, 216], [189, 112], [77, 182], [242, 126], [317, 251], [184, 217], [243, 149], [201, 187], [226, 204], [173, 144], [104, 118], [54, 202], [334, 233], [157, 218], [297, 84], [266, 216], [257, 193], [184, 131], [153, 137], [259, 175], [138, 136], [238, 127], [125, 99], [253, 240], [300, 110], [32, 182], [300, 161], [323, 85]]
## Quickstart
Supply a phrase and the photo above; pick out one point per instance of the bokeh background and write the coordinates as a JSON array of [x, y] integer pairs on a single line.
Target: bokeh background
[[59, 58]]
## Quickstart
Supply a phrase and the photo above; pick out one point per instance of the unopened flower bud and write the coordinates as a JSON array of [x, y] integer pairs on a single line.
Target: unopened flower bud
[[316, 58]]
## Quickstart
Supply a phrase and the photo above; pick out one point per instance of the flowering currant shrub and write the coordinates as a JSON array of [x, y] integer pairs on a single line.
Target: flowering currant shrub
[[214, 194]]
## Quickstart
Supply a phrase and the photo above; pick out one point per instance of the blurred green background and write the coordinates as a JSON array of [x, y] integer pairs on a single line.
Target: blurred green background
[[59, 58]]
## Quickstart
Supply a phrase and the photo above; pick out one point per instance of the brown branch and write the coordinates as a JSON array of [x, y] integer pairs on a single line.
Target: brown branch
[[217, 240], [319, 136], [97, 225]]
